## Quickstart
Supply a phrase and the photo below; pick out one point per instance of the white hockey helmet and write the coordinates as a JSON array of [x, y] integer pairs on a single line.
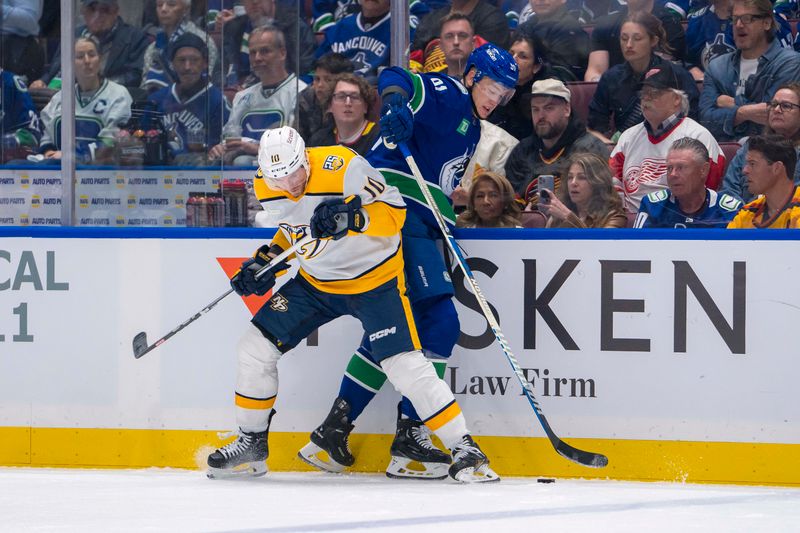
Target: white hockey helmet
[[280, 153]]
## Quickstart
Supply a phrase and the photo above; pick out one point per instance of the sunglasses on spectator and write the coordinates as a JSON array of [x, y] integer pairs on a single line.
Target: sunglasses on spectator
[[785, 106], [746, 19], [342, 97]]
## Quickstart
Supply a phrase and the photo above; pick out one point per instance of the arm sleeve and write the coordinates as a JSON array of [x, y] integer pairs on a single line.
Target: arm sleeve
[[118, 114], [23, 16], [134, 62], [600, 107], [383, 204], [517, 169], [718, 120], [48, 116]]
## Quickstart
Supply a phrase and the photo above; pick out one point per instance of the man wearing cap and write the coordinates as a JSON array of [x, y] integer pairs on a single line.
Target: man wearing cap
[[638, 161], [557, 134], [738, 85], [174, 22], [122, 46], [193, 109]]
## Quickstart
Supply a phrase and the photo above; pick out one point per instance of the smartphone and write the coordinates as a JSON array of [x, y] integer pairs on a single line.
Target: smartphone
[[545, 181]]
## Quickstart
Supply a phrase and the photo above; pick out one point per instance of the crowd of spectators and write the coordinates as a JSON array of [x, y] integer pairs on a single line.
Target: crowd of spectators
[[205, 78]]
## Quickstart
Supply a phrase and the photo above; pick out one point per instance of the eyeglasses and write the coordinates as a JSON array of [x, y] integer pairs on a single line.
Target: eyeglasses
[[342, 97], [746, 19], [785, 106]]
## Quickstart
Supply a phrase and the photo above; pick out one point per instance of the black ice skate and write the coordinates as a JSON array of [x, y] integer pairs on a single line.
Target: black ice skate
[[470, 464], [246, 456], [329, 449], [413, 453]]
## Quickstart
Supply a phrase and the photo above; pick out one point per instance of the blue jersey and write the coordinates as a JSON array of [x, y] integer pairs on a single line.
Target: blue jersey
[[200, 116], [446, 132], [329, 12], [660, 210], [17, 113], [707, 37]]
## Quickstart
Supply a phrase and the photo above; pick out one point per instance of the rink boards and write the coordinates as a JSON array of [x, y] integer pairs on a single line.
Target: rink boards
[[674, 356]]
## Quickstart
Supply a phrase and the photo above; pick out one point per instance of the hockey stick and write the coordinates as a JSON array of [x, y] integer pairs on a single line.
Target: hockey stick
[[595, 460], [140, 346]]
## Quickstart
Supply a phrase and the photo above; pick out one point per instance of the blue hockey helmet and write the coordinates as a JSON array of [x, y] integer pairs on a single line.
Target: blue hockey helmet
[[494, 62]]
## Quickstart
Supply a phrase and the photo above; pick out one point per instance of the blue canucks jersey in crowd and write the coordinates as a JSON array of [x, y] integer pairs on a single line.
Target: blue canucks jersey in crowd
[[200, 116], [446, 132], [326, 13], [660, 210], [17, 113]]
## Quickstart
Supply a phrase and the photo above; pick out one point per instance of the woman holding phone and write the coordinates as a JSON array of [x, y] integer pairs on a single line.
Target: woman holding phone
[[586, 198]]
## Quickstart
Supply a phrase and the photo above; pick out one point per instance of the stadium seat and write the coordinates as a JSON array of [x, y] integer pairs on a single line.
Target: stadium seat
[[582, 94], [533, 219], [41, 97], [729, 149]]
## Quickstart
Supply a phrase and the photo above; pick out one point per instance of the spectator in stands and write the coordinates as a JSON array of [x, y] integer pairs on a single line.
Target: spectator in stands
[[615, 105], [173, 19], [587, 199], [709, 34], [364, 38], [457, 40], [491, 203], [557, 135], [606, 51], [349, 104], [326, 13], [771, 162], [121, 49], [310, 111], [101, 108], [738, 85], [19, 122], [487, 20], [515, 116], [193, 109], [589, 11], [638, 162], [265, 105], [299, 40], [687, 202], [19, 30], [565, 42], [783, 118]]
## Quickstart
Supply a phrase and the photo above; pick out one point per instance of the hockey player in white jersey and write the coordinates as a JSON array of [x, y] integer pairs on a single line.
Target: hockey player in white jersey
[[353, 267], [101, 107]]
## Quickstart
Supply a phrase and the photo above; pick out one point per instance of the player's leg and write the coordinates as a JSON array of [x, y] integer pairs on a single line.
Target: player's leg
[[275, 329], [386, 315]]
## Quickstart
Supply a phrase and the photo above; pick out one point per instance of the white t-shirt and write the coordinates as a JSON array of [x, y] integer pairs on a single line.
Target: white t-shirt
[[747, 67]]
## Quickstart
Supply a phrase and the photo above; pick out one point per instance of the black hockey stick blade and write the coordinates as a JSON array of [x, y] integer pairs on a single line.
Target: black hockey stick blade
[[140, 345], [590, 459]]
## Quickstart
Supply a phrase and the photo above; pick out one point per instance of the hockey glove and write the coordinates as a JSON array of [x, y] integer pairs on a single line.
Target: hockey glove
[[397, 121], [244, 281], [334, 218]]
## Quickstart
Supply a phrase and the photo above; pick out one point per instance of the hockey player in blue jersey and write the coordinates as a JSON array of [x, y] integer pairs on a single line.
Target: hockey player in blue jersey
[[439, 120], [687, 203]]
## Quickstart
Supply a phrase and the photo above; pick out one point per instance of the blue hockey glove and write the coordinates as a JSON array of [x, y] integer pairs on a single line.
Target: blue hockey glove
[[244, 282], [397, 121], [334, 218]]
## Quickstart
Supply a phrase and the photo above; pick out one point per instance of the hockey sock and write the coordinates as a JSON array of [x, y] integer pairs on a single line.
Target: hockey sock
[[256, 380], [406, 408], [414, 377], [362, 380]]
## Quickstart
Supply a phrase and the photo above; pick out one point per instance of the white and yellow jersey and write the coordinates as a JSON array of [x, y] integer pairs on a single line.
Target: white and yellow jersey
[[360, 261]]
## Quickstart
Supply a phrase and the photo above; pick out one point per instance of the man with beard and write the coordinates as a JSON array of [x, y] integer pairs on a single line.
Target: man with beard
[[557, 134]]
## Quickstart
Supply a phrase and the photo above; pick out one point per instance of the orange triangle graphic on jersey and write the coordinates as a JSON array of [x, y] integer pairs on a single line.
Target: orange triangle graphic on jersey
[[231, 265]]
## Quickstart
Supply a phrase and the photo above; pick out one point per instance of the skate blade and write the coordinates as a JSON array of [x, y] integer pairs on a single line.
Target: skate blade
[[483, 474], [405, 468], [319, 458], [244, 470]]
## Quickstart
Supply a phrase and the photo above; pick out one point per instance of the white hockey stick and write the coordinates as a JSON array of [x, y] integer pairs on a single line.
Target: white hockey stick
[[585, 458], [140, 346]]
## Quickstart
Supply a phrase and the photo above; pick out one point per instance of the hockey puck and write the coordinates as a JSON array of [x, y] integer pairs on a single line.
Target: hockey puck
[[545, 480]]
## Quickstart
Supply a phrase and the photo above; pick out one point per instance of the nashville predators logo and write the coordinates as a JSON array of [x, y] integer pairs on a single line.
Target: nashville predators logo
[[333, 163], [279, 303], [298, 233]]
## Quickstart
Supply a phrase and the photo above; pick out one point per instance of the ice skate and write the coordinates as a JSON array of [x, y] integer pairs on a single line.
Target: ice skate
[[470, 464], [246, 456], [413, 454], [329, 449]]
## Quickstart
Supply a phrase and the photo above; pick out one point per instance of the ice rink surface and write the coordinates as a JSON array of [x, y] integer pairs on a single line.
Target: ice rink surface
[[176, 500]]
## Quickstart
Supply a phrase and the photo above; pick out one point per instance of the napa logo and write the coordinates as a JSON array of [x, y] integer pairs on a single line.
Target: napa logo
[[24, 220], [24, 181], [131, 201], [215, 182], [120, 220], [179, 201], [168, 182], [168, 221], [120, 179], [83, 201], [333, 163], [36, 201]]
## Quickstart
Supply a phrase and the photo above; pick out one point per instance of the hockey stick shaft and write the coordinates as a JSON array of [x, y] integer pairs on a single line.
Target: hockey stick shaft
[[141, 348], [564, 449]]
